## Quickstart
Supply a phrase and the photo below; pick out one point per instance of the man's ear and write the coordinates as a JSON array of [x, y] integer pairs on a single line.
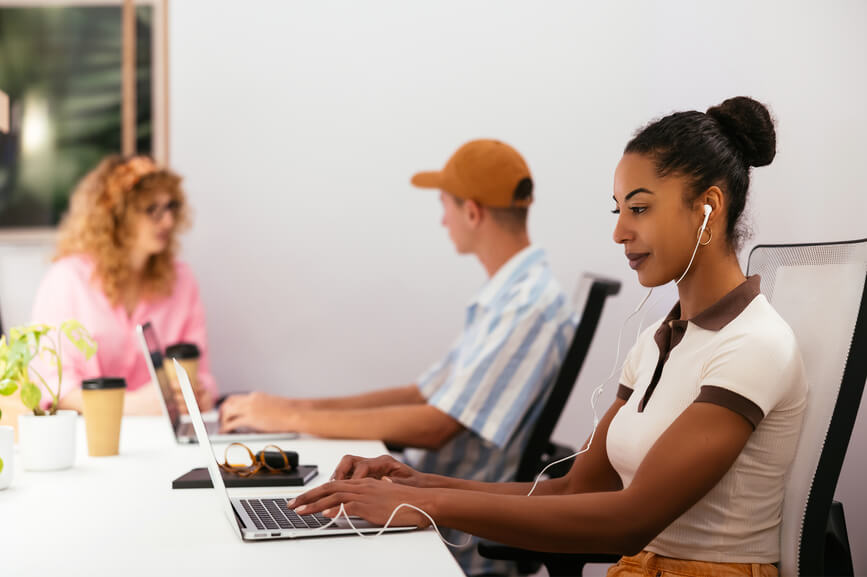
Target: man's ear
[[473, 212]]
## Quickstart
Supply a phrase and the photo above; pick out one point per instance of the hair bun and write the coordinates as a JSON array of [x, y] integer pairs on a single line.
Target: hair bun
[[749, 126]]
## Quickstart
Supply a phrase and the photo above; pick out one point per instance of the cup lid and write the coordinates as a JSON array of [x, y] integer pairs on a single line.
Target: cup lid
[[182, 351], [100, 383]]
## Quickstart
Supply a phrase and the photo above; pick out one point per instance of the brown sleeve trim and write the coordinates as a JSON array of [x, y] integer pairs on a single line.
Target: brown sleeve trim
[[732, 401], [624, 392]]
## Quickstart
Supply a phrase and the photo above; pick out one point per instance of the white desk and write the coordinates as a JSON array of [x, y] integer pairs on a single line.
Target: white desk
[[120, 516]]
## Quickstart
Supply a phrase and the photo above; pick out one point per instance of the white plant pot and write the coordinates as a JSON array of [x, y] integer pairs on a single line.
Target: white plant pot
[[47, 443], [7, 454]]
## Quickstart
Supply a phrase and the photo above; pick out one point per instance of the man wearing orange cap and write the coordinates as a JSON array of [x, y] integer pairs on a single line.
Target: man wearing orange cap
[[471, 413]]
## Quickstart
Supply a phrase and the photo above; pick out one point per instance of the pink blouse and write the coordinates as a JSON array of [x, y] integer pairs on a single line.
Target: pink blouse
[[68, 291]]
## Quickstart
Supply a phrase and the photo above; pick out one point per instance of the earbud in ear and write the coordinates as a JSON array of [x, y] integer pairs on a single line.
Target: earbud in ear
[[707, 211]]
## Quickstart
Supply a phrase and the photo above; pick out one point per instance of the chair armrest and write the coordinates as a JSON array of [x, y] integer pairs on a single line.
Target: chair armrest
[[557, 564], [393, 448], [554, 452], [492, 550], [838, 554]]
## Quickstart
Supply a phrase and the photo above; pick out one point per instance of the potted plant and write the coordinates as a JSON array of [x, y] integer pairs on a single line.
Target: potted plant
[[47, 437]]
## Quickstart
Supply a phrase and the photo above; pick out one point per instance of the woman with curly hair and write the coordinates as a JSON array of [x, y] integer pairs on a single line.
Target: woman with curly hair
[[115, 268]]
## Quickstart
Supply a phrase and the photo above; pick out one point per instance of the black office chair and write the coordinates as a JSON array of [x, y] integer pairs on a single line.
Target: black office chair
[[540, 451], [821, 291]]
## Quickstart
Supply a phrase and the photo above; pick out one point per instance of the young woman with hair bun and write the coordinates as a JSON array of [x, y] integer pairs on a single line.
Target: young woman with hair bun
[[686, 470]]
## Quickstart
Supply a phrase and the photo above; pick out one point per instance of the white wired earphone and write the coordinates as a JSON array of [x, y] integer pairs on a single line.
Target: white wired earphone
[[594, 397]]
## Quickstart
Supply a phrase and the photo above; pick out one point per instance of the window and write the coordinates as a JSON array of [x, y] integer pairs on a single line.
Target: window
[[61, 68]]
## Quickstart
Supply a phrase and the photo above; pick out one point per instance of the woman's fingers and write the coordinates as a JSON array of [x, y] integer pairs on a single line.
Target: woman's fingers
[[370, 499], [326, 502], [361, 470], [353, 467], [321, 492], [352, 509], [344, 467], [378, 511]]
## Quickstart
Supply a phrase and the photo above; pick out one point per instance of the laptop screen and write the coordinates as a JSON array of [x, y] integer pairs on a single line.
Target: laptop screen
[[155, 358]]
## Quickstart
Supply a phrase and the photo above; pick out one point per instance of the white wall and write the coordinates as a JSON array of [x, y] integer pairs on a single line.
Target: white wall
[[23, 262], [298, 126]]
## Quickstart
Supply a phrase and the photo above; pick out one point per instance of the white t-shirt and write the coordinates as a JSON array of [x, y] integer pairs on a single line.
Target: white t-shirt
[[740, 354]]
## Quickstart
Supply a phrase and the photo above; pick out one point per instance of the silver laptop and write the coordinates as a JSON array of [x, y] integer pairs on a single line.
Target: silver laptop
[[257, 518], [179, 422]]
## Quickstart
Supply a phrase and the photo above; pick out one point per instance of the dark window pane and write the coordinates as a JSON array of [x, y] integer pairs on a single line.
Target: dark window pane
[[61, 67]]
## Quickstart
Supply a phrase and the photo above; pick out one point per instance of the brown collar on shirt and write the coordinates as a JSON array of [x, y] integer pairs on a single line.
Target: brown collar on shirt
[[713, 318]]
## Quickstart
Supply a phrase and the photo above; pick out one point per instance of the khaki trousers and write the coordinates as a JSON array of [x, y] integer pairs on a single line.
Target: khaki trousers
[[647, 564]]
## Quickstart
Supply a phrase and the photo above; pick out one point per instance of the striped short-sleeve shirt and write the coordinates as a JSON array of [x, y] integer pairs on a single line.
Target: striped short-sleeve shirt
[[495, 378]]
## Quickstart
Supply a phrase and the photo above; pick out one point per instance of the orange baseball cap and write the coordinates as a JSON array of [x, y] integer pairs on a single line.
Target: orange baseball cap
[[489, 172]]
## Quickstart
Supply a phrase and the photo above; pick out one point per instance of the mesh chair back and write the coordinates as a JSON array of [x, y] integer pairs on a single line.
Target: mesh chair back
[[597, 290], [819, 289]]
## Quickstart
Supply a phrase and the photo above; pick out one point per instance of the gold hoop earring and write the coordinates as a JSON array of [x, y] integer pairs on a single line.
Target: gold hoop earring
[[709, 236]]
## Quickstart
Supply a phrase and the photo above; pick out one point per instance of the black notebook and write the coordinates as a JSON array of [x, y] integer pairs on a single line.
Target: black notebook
[[199, 478]]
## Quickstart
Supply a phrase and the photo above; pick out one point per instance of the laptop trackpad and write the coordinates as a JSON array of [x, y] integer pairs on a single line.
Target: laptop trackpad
[[358, 522]]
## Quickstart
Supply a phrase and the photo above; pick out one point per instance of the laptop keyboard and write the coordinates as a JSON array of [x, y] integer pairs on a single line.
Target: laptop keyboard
[[274, 514]]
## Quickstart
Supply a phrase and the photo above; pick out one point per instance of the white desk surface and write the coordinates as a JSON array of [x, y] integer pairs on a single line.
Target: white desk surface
[[119, 516]]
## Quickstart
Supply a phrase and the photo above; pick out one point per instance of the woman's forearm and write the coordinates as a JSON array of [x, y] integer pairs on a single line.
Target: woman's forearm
[[547, 487], [582, 523], [686, 462]]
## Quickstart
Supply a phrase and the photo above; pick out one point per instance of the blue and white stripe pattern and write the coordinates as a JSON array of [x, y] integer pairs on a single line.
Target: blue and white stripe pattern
[[495, 379]]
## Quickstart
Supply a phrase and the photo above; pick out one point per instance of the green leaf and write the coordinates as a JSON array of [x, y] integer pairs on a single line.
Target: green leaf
[[37, 330], [78, 336], [30, 395], [7, 387], [52, 355], [1, 465], [22, 344], [19, 354], [32, 341]]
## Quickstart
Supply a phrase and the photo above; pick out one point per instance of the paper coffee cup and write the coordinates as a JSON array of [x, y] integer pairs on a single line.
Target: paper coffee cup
[[103, 409], [187, 354]]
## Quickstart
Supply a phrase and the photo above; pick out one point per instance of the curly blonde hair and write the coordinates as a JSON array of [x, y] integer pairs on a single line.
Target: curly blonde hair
[[101, 217]]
